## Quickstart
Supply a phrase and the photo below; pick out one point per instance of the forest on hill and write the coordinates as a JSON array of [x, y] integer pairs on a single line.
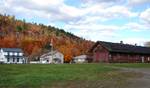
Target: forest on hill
[[33, 38]]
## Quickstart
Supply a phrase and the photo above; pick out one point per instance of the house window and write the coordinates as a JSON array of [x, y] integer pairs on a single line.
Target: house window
[[15, 53], [13, 59], [20, 54], [5, 53], [8, 59], [11, 53], [17, 59]]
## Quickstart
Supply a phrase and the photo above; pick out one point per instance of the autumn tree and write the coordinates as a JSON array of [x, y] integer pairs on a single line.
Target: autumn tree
[[33, 38]]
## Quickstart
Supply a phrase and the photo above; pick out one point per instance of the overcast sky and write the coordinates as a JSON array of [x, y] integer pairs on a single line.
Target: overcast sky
[[104, 20]]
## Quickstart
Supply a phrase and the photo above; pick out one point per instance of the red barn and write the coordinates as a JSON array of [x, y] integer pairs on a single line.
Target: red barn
[[119, 53]]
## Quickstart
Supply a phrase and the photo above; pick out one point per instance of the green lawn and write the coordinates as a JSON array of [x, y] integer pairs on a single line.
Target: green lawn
[[63, 76]]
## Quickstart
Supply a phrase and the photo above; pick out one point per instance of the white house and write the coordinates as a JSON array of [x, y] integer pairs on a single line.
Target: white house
[[54, 57], [80, 59], [12, 55]]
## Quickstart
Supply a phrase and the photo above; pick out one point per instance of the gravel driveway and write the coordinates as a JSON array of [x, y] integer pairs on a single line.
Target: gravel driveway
[[140, 82]]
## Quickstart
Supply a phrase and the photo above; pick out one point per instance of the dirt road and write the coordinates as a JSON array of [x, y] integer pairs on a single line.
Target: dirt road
[[140, 82]]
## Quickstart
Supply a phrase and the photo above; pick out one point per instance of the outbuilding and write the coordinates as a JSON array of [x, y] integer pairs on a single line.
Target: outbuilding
[[119, 53], [80, 59], [52, 57]]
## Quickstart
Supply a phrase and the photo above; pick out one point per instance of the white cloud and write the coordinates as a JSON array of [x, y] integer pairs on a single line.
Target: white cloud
[[99, 1], [110, 11], [135, 40], [135, 26], [145, 16], [97, 31], [93, 31], [47, 2], [93, 27], [138, 2], [102, 2], [117, 11], [56, 10], [96, 13]]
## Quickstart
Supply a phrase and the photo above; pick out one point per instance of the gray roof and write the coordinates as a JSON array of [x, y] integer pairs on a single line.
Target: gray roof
[[8, 56], [81, 56], [12, 49], [50, 53]]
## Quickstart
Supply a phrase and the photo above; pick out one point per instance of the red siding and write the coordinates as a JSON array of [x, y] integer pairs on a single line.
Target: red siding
[[129, 58], [100, 54]]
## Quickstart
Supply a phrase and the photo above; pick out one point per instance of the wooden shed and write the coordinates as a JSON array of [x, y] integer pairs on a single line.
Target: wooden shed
[[80, 59]]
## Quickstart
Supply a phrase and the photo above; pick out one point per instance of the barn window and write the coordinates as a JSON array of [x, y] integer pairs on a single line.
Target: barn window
[[148, 59], [118, 55], [109, 56], [128, 56], [142, 59]]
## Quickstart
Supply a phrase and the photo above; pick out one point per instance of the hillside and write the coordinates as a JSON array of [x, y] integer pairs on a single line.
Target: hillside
[[33, 38]]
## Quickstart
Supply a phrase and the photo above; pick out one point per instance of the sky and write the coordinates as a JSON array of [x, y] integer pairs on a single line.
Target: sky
[[96, 20]]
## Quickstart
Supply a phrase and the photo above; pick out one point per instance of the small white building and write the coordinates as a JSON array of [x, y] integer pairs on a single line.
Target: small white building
[[12, 55], [80, 59], [53, 57]]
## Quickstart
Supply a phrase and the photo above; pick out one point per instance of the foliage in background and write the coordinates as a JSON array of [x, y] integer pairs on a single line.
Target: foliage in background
[[33, 38]]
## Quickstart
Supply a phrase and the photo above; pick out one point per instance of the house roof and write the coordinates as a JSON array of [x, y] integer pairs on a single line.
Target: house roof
[[13, 56], [50, 53], [11, 49], [122, 48]]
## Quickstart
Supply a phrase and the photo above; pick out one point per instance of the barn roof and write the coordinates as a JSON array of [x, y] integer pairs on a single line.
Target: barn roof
[[122, 48]]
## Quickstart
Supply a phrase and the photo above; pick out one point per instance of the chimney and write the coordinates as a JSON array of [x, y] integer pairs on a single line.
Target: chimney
[[135, 44], [121, 42]]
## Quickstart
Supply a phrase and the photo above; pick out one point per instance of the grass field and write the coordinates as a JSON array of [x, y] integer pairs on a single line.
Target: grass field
[[64, 75]]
